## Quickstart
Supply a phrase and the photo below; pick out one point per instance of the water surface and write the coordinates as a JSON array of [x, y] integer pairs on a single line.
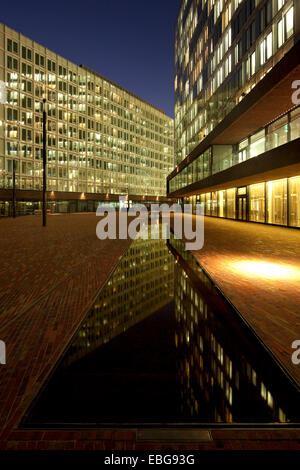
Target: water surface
[[162, 346]]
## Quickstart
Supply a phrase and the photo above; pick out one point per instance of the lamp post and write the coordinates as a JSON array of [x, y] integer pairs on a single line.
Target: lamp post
[[44, 162], [14, 190]]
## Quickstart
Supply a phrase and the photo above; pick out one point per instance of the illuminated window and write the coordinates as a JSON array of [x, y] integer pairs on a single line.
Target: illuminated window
[[277, 133], [289, 22], [257, 202], [280, 33], [282, 416], [270, 400], [294, 201], [295, 124], [263, 391], [269, 44], [257, 143], [262, 53], [277, 202], [222, 203], [231, 203], [252, 63], [208, 203], [214, 203]]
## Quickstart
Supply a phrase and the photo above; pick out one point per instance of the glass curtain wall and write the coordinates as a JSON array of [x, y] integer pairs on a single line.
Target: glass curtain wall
[[257, 202], [214, 203], [231, 203], [295, 123], [277, 202], [222, 203], [294, 201], [208, 204], [273, 202]]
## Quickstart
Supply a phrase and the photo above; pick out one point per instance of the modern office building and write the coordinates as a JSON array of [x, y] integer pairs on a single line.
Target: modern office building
[[237, 115], [102, 140]]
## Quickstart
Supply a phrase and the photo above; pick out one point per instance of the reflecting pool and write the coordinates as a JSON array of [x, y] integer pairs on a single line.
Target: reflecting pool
[[162, 346]]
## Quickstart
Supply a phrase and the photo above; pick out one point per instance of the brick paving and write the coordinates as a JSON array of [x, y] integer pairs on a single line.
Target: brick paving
[[257, 267], [49, 279]]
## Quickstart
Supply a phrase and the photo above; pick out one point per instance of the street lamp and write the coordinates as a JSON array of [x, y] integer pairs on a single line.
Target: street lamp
[[44, 162], [14, 190]]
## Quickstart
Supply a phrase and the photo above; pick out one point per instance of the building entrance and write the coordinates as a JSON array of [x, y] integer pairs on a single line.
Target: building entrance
[[242, 207]]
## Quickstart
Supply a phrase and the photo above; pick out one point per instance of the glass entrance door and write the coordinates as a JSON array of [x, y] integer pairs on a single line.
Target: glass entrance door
[[242, 207]]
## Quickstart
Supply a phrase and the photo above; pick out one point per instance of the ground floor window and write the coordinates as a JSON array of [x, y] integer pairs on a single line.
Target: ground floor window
[[274, 202], [294, 201], [277, 202], [214, 203], [208, 204], [222, 203], [231, 203], [257, 202]]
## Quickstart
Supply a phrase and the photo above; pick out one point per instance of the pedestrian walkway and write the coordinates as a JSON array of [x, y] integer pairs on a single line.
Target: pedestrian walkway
[[50, 277], [257, 267]]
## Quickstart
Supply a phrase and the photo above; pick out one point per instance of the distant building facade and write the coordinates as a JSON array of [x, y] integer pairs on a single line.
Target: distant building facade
[[102, 140]]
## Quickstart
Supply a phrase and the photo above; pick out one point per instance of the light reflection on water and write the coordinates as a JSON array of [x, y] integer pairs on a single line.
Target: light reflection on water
[[161, 346]]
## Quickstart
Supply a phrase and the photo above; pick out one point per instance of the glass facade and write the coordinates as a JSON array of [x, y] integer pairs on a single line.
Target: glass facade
[[100, 137], [277, 202], [223, 48], [294, 198], [222, 203], [214, 203], [272, 202], [231, 203], [257, 202], [220, 157]]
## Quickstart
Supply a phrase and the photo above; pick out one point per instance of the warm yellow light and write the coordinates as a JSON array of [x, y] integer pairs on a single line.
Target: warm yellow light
[[266, 270]]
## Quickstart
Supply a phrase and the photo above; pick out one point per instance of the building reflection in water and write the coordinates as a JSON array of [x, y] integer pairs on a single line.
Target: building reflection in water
[[224, 374], [139, 357], [141, 285]]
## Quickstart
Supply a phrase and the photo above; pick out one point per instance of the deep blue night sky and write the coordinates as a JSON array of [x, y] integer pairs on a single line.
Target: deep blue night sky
[[128, 41]]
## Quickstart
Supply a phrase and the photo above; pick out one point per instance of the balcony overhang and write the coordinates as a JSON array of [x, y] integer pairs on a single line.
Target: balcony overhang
[[270, 98], [282, 162]]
